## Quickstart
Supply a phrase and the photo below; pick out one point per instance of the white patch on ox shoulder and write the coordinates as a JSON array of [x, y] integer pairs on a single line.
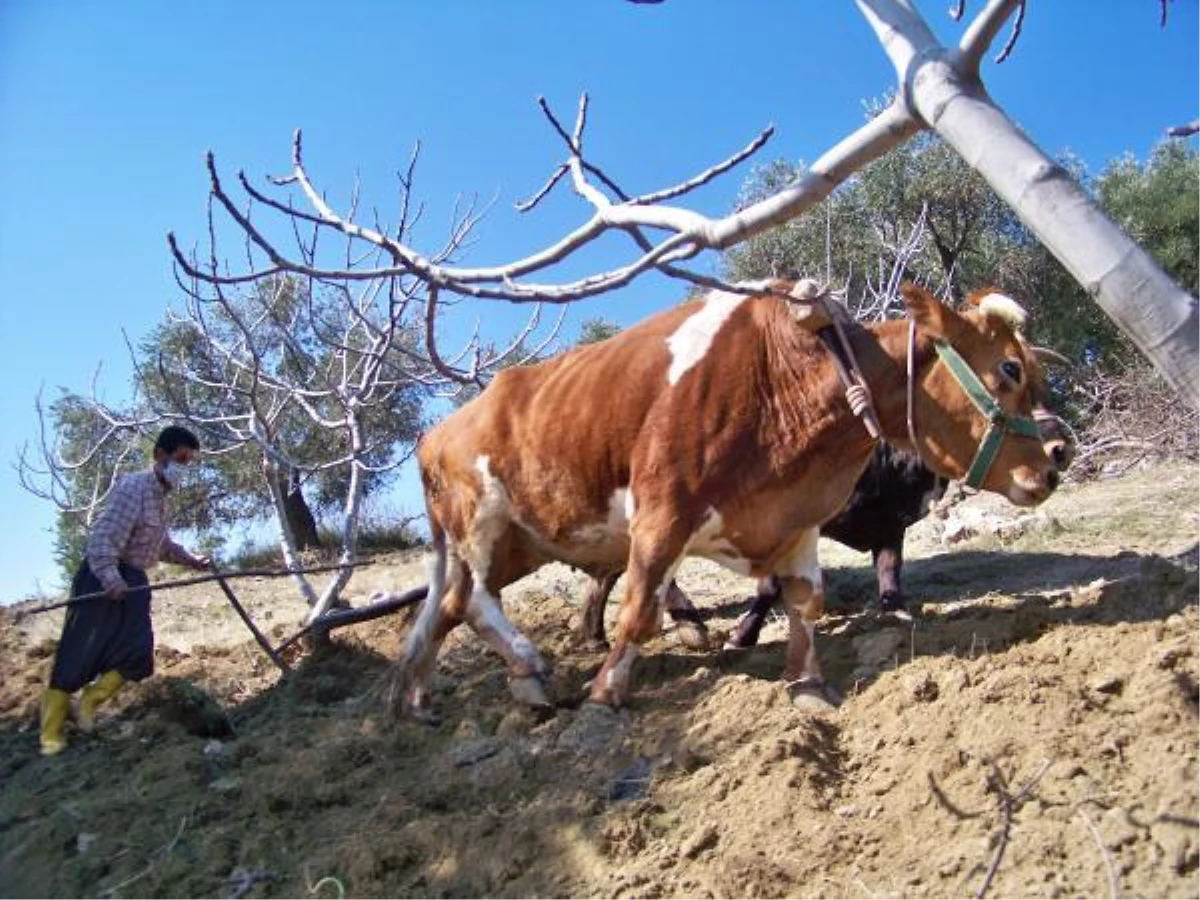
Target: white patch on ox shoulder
[[1006, 309], [802, 561], [711, 542], [492, 516], [691, 340]]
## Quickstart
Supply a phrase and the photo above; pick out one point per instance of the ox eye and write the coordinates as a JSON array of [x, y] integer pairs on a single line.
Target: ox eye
[[1011, 369]]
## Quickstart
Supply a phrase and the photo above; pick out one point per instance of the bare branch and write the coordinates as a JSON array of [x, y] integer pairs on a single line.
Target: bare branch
[[982, 32], [1013, 35], [1184, 130]]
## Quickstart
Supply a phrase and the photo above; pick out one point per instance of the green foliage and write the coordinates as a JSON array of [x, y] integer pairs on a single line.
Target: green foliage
[[91, 456], [374, 536], [592, 331], [282, 351], [1158, 205], [850, 239]]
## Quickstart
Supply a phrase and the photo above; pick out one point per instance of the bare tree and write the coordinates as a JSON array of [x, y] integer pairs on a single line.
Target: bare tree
[[312, 378], [937, 87]]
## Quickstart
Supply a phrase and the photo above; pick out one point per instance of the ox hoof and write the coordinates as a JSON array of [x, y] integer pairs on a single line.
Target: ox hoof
[[600, 696], [745, 633], [894, 605], [422, 713], [692, 635], [529, 690], [813, 696]]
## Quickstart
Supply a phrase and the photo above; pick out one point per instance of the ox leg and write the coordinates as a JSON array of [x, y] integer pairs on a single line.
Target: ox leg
[[590, 633], [527, 670], [442, 612], [652, 563], [888, 561], [804, 599], [692, 632], [749, 624]]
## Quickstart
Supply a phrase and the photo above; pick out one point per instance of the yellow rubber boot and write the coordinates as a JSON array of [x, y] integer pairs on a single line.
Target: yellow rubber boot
[[55, 706], [100, 691]]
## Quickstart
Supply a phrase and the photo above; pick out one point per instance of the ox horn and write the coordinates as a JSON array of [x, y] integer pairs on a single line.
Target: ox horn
[[1046, 356], [808, 289]]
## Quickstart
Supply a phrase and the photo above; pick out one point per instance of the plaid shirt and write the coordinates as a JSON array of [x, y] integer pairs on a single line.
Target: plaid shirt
[[132, 529]]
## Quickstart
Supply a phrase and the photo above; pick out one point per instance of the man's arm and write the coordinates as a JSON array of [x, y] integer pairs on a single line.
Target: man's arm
[[172, 552]]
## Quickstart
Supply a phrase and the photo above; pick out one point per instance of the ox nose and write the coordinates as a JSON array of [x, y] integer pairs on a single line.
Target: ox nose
[[1060, 454]]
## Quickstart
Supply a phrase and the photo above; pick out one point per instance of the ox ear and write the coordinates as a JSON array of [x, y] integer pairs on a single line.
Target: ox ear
[[934, 317]]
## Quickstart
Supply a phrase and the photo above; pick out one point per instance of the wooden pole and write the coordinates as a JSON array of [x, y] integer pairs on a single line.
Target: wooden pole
[[199, 579], [258, 635]]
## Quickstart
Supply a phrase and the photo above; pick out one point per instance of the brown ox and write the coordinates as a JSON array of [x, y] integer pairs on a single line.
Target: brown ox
[[718, 428]]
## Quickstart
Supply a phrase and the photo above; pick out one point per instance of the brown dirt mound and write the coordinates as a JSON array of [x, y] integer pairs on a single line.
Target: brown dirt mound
[[1034, 732]]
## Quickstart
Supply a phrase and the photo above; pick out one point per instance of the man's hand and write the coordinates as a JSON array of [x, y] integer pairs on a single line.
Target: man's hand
[[117, 591]]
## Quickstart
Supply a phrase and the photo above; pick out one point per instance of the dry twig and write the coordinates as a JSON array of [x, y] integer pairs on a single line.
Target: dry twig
[[1009, 803], [1114, 884], [158, 856]]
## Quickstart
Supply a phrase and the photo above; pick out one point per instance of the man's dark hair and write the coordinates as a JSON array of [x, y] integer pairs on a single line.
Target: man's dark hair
[[173, 437]]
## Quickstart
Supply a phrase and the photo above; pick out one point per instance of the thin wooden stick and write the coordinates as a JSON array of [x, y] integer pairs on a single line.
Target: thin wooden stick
[[199, 579], [258, 635], [1114, 884], [1009, 804]]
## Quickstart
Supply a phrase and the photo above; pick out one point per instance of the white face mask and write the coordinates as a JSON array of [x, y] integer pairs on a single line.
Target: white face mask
[[172, 472]]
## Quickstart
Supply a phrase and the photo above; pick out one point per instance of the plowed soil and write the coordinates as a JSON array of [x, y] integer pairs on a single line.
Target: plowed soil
[[1033, 733]]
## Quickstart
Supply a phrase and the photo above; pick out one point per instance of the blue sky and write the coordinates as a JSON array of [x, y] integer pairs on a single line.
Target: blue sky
[[107, 110]]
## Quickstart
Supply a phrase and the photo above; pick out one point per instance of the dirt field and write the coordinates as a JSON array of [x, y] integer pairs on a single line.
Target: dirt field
[[1034, 732]]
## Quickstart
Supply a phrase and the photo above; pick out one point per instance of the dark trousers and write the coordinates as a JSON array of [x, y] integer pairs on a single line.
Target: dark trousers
[[101, 635]]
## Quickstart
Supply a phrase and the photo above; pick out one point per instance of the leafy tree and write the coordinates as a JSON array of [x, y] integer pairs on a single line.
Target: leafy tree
[[1158, 204], [592, 331], [854, 236]]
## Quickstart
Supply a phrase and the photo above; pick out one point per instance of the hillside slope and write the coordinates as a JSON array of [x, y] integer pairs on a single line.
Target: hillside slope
[[1035, 732]]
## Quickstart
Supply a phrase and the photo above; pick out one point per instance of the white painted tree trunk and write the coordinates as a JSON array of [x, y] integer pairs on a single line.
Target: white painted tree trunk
[[941, 87], [287, 541], [350, 520]]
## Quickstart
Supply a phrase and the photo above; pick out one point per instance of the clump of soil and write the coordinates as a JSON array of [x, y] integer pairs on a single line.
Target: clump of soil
[[1033, 733]]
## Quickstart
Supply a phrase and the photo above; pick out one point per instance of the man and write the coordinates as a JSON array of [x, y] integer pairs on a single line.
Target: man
[[109, 640]]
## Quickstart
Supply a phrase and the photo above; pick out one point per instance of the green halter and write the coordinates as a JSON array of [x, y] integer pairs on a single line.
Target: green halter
[[1000, 422]]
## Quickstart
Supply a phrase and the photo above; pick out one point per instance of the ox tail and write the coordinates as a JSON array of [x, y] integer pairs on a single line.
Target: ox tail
[[407, 684]]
